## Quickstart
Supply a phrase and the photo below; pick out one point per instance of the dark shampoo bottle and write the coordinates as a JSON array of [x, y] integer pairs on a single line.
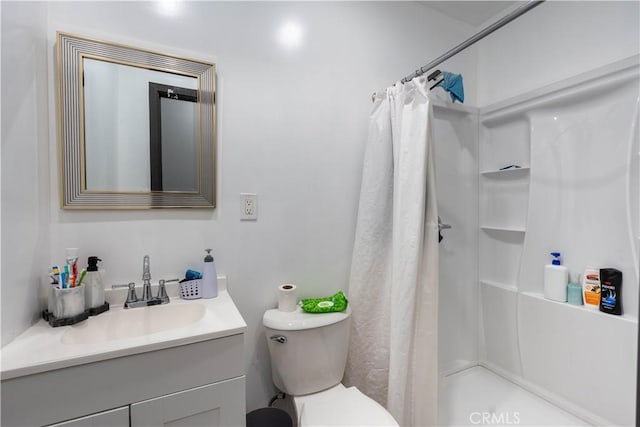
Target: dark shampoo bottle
[[611, 291]]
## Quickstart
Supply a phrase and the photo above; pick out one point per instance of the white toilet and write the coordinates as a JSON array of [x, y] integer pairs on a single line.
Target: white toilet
[[308, 357]]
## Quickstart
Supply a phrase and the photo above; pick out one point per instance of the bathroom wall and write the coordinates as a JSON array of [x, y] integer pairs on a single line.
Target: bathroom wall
[[455, 143], [292, 127], [25, 163], [554, 41]]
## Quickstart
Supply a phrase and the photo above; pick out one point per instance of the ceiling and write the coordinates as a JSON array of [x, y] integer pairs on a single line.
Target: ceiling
[[471, 12]]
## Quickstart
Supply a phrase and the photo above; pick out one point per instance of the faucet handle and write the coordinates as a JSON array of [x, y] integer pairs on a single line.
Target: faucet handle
[[131, 296], [162, 293]]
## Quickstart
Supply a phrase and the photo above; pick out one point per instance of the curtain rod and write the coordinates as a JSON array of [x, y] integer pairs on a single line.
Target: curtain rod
[[473, 39]]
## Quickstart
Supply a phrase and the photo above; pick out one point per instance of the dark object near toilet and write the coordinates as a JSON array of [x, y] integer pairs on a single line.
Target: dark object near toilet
[[269, 417]]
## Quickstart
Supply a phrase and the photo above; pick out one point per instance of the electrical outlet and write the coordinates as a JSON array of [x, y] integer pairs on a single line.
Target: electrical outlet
[[248, 206]]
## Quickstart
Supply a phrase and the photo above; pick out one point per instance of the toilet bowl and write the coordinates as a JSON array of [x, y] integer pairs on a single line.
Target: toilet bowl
[[308, 357], [341, 406]]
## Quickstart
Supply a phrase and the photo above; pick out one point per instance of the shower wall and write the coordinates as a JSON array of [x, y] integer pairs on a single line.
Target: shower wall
[[456, 162], [576, 192]]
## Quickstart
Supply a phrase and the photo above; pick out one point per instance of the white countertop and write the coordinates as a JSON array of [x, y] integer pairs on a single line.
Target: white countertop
[[40, 348]]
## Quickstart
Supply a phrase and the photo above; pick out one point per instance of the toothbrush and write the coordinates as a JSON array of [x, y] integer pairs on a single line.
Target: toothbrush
[[66, 276], [82, 274], [55, 274]]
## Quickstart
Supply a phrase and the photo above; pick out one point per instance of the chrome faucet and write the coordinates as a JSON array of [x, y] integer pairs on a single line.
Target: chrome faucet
[[133, 301], [147, 299], [146, 279]]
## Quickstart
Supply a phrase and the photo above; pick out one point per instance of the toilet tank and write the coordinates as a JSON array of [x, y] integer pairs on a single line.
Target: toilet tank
[[308, 351]]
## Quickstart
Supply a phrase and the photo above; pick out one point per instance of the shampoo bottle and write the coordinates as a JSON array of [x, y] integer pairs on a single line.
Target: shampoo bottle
[[556, 278], [209, 277]]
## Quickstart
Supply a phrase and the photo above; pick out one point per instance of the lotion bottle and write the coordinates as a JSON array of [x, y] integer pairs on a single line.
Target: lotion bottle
[[209, 277], [591, 287], [556, 278]]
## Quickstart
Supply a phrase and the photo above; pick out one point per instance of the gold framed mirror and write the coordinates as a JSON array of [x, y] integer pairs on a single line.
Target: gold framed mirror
[[136, 128]]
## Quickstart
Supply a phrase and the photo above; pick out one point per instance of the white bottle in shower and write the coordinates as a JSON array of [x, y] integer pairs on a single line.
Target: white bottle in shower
[[556, 279]]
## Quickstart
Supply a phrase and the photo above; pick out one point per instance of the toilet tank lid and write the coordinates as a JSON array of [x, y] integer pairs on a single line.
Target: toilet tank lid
[[298, 320]]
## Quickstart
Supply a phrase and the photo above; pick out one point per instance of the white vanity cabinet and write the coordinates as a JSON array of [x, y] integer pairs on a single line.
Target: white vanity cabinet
[[176, 364], [196, 384], [114, 418], [211, 405], [220, 404]]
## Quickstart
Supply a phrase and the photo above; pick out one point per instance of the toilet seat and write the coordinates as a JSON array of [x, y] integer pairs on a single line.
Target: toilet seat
[[341, 406]]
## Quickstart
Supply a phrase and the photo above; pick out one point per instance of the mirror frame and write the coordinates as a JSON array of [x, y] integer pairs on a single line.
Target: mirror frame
[[71, 50]]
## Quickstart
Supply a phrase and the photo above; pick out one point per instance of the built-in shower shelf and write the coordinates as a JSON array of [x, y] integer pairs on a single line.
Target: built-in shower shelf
[[508, 229], [499, 285], [504, 172], [594, 311], [447, 106]]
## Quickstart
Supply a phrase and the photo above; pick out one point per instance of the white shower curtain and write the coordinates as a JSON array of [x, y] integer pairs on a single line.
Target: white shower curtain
[[393, 287]]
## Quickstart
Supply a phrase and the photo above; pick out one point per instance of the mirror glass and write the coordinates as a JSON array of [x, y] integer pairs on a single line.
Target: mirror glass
[[137, 128], [118, 101]]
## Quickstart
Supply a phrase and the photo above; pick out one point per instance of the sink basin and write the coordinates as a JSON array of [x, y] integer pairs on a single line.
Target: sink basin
[[135, 322]]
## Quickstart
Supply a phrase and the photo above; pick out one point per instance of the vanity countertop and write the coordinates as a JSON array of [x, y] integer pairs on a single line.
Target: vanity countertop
[[43, 348]]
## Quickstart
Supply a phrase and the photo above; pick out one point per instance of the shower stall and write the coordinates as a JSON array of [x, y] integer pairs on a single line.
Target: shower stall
[[554, 169]]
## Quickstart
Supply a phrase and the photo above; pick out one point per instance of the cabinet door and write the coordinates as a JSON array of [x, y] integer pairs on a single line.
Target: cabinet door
[[114, 418], [219, 404]]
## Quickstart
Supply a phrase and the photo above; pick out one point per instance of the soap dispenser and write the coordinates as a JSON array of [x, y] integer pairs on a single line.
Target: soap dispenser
[[94, 288], [556, 278], [209, 277]]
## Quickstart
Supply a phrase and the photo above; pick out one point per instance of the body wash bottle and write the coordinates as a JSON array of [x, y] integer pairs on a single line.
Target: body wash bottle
[[556, 278], [611, 291]]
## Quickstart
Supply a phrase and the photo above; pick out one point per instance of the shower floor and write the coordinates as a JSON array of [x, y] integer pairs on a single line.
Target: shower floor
[[477, 396]]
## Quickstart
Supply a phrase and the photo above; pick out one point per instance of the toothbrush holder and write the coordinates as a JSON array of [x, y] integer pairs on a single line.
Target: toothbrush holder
[[68, 302]]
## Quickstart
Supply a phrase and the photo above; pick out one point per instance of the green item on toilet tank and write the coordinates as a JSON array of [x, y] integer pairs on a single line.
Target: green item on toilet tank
[[334, 303]]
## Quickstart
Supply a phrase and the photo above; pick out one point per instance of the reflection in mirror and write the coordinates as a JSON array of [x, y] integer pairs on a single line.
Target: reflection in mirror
[[137, 128], [117, 127], [173, 137]]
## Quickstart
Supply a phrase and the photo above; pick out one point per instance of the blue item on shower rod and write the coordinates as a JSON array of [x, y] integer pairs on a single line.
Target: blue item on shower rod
[[452, 83]]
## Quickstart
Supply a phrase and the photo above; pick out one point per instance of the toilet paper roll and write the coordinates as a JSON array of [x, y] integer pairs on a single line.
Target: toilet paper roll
[[287, 297]]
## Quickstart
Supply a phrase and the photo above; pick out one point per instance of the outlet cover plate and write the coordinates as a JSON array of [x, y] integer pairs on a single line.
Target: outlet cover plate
[[248, 206]]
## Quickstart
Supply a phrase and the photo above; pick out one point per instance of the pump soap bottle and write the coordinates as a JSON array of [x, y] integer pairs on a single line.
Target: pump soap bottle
[[94, 288], [209, 277], [556, 277]]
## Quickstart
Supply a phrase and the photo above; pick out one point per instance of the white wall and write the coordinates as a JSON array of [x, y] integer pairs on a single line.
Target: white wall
[[554, 41], [456, 163], [25, 164], [292, 126]]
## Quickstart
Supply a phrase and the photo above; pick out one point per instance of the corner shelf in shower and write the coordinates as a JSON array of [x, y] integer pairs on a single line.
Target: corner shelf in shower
[[500, 285], [503, 196], [625, 317], [505, 172], [508, 229]]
